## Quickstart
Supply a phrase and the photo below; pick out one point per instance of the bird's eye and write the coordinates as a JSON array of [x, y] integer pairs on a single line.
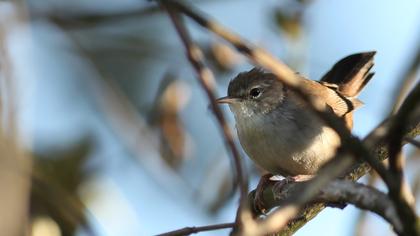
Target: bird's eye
[[255, 92]]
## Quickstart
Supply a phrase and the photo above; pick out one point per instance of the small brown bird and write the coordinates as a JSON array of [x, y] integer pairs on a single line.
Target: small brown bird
[[276, 128]]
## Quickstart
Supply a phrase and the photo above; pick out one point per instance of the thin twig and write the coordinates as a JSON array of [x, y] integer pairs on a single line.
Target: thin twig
[[206, 79], [401, 195], [194, 230], [81, 20]]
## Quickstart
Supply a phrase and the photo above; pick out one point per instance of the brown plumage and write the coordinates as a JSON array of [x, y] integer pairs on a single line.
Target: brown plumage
[[348, 77]]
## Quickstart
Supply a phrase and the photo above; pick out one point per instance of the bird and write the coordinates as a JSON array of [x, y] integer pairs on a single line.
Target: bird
[[276, 128]]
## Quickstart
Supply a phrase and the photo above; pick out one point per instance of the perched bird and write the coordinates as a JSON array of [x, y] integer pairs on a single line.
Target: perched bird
[[275, 127]]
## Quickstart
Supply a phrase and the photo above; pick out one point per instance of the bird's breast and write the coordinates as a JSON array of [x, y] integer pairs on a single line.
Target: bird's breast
[[282, 145]]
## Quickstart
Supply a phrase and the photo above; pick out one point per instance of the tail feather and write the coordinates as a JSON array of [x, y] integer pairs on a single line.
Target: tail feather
[[351, 73]]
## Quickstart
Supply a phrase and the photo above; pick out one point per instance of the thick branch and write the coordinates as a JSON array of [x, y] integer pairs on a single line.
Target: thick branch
[[345, 191], [363, 197]]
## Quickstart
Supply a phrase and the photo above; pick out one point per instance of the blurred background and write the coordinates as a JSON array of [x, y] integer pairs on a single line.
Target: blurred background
[[105, 130]]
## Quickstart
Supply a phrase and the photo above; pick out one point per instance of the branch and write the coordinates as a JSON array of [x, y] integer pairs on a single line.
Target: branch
[[207, 82], [346, 191], [363, 197], [194, 230], [398, 190], [82, 20], [396, 132]]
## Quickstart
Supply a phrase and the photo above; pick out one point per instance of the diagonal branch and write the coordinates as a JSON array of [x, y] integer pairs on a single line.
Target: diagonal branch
[[396, 132], [347, 192], [399, 190], [194, 230], [205, 77], [363, 197]]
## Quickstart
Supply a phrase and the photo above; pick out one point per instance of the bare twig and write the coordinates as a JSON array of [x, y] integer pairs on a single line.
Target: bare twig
[[346, 191], [399, 192], [205, 77], [193, 230], [363, 197], [396, 132], [89, 19]]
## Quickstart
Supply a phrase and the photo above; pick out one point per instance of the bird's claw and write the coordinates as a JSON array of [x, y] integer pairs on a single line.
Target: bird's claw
[[259, 205]]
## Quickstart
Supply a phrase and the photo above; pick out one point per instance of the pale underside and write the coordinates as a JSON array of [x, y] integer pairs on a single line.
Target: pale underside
[[290, 149], [282, 143]]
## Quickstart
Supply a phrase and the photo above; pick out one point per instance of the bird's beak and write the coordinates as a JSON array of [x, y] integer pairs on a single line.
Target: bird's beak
[[227, 99]]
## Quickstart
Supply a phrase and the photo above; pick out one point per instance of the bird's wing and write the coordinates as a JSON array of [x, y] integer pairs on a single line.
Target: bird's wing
[[339, 103], [350, 74]]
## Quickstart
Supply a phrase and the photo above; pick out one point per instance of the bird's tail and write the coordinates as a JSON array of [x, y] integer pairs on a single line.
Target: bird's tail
[[350, 74]]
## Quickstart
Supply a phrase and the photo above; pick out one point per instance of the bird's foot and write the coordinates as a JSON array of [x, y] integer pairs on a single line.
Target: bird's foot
[[278, 187], [259, 206], [265, 180]]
